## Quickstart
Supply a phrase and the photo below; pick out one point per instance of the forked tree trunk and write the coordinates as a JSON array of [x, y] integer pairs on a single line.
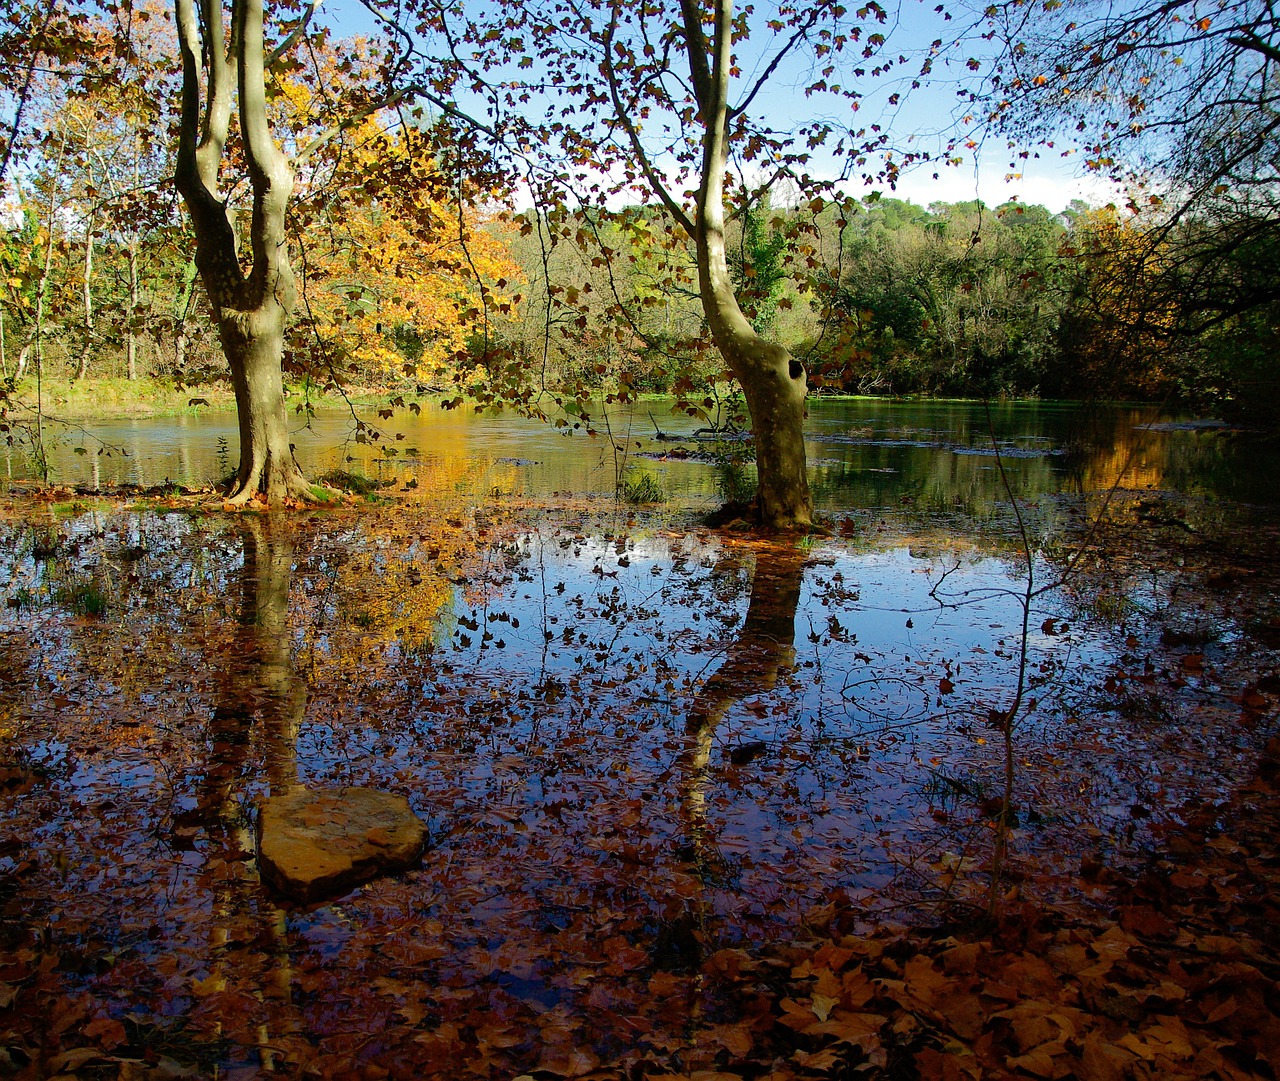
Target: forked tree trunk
[[251, 308], [773, 382]]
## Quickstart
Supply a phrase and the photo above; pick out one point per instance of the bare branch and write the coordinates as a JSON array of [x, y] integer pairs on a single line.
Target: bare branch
[[795, 39], [623, 115], [1252, 43], [294, 35], [351, 120]]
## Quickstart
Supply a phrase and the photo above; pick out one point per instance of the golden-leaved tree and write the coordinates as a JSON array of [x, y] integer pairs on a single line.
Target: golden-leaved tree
[[1120, 316], [307, 122], [400, 266]]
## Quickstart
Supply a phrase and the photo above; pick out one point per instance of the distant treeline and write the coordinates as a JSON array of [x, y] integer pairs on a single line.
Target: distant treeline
[[956, 299], [879, 297]]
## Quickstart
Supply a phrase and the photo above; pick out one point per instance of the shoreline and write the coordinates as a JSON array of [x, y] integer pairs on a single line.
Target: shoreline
[[65, 401]]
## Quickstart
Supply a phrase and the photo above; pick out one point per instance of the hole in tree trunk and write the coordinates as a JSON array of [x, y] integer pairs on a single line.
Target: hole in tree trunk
[[797, 369]]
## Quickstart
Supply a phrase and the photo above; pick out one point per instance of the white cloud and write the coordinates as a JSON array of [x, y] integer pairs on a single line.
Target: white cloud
[[1049, 183]]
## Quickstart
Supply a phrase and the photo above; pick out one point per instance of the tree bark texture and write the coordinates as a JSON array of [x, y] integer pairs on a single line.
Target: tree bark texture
[[82, 369], [773, 382], [251, 307]]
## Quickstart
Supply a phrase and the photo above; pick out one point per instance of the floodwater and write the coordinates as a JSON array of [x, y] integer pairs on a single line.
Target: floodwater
[[636, 743], [863, 453]]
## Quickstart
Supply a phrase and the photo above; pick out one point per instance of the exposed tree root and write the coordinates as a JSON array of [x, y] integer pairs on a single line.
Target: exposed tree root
[[747, 517], [273, 485]]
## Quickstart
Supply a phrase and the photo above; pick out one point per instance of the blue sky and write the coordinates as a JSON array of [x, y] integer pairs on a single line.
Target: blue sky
[[1048, 178]]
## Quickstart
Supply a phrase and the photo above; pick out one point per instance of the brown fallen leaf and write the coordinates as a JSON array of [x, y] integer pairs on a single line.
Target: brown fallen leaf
[[567, 1061], [107, 1031]]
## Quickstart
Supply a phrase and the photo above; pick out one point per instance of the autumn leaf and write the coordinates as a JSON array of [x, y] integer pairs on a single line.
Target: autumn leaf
[[567, 1062], [210, 985], [107, 1031]]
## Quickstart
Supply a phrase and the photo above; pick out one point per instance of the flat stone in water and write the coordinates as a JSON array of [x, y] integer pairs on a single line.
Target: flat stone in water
[[319, 843]]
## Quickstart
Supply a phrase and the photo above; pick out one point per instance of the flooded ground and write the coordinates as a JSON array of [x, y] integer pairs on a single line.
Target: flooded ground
[[863, 453], [652, 758]]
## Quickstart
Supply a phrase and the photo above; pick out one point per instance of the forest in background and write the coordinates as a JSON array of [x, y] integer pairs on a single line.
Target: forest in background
[[412, 281], [953, 299]]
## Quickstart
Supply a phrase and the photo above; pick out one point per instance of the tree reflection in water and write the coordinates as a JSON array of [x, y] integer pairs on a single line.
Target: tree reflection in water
[[615, 859], [260, 684], [762, 652], [261, 699]]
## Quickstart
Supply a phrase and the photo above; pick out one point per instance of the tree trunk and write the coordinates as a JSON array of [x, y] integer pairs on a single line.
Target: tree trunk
[[82, 368], [773, 382], [35, 335], [254, 345], [251, 309], [131, 332], [253, 342]]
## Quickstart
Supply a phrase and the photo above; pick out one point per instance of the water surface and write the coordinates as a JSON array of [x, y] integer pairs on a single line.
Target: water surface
[[641, 748], [863, 453]]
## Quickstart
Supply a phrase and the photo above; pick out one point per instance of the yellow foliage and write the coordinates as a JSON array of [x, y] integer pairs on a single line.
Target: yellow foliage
[[401, 590], [1122, 319], [396, 272]]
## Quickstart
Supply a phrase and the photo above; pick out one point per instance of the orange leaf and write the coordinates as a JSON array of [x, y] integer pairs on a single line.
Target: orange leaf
[[107, 1031]]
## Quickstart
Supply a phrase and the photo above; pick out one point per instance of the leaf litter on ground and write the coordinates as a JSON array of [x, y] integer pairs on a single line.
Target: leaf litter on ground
[[700, 806]]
